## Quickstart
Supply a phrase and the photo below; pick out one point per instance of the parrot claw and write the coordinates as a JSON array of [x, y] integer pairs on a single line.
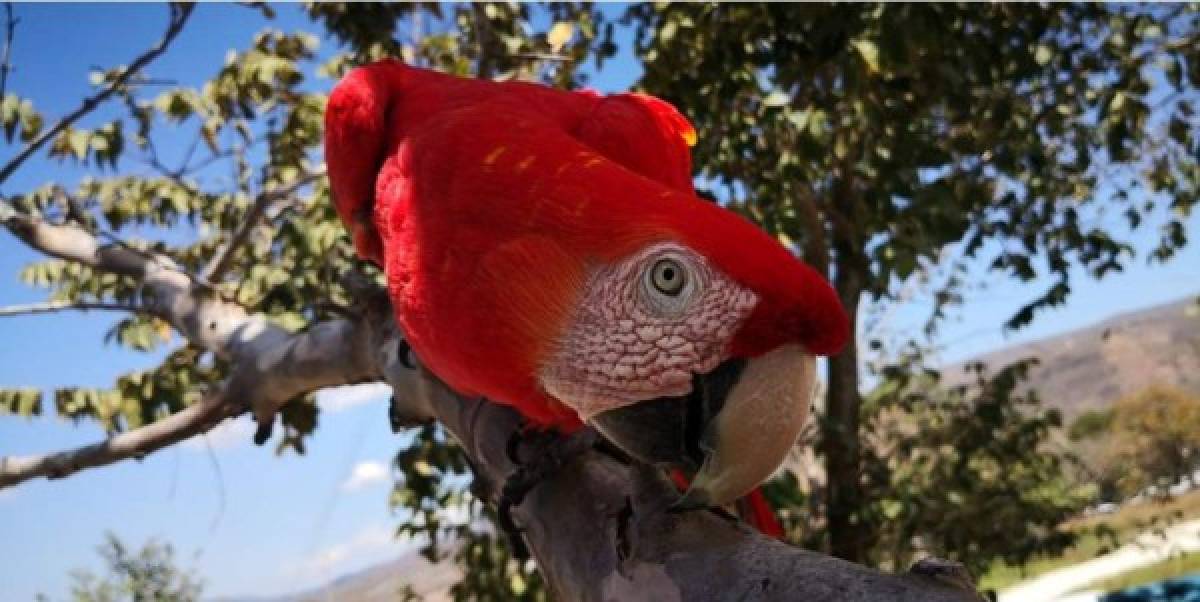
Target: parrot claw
[[693, 499], [697, 499], [404, 354], [550, 452], [263, 432]]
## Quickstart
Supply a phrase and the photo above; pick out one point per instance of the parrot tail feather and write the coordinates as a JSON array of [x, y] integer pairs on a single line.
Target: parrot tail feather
[[757, 511]]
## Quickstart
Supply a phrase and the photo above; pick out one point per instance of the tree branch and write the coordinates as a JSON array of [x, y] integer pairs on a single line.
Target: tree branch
[[56, 306], [73, 243], [266, 374], [601, 530], [222, 259], [179, 16], [136, 443], [6, 58]]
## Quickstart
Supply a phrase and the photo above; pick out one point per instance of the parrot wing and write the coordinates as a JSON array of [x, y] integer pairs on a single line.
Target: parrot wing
[[375, 107]]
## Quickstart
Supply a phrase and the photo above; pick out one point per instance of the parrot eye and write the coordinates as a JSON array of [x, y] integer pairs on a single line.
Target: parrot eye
[[668, 277]]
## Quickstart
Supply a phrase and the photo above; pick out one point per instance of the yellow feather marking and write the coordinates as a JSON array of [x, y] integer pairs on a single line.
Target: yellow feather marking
[[495, 154], [689, 136], [525, 163]]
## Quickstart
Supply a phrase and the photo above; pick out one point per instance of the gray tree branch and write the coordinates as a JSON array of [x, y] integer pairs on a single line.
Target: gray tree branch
[[179, 16], [10, 30]]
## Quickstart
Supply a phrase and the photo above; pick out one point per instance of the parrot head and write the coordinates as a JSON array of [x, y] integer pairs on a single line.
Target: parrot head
[[695, 348], [546, 250]]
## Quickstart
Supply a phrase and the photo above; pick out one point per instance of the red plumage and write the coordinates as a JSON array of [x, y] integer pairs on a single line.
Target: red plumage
[[458, 187]]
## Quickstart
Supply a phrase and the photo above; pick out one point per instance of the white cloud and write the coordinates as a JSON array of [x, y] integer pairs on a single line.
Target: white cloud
[[364, 475], [368, 542], [337, 399], [227, 434]]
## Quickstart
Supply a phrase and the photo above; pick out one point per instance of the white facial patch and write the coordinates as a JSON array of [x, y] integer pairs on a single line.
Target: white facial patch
[[644, 326]]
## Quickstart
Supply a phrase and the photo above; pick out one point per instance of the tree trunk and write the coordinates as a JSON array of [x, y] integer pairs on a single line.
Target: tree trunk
[[840, 438]]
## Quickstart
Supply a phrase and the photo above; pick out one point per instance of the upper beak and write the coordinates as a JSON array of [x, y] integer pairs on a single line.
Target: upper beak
[[734, 429]]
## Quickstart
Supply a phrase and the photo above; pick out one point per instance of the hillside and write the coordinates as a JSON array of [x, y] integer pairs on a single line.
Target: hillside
[[1094, 366], [379, 583]]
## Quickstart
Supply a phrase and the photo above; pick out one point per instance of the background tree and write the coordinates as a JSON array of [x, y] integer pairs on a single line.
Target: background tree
[[891, 142], [147, 575], [1148, 439], [939, 459]]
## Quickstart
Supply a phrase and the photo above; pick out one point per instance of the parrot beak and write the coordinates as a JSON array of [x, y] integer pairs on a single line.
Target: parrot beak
[[730, 433]]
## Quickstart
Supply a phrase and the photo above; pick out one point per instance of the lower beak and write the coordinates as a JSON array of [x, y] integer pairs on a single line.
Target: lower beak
[[731, 433]]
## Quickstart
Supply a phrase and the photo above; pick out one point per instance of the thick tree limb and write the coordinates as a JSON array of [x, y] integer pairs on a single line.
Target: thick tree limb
[[600, 530], [179, 16]]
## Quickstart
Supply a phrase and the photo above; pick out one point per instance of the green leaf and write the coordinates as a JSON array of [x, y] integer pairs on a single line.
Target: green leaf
[[559, 35], [1043, 54], [869, 53], [777, 98]]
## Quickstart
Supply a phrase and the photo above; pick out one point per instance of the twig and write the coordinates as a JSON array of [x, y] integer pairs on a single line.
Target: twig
[[485, 67], [179, 16], [5, 63], [544, 56], [223, 257], [136, 443], [56, 306], [216, 466]]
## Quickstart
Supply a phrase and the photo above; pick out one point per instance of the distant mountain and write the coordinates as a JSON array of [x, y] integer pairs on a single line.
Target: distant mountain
[[1094, 366], [1083, 369], [380, 583]]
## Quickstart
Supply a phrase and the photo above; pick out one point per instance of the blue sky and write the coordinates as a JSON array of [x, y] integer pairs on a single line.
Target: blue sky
[[251, 522]]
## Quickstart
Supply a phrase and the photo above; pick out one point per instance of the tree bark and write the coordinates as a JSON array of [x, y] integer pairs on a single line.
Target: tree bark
[[600, 530]]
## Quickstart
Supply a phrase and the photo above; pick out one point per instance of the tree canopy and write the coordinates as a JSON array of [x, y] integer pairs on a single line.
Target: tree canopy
[[884, 144]]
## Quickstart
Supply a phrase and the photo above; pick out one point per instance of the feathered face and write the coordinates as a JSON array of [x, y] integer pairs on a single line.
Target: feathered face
[[643, 327], [648, 358]]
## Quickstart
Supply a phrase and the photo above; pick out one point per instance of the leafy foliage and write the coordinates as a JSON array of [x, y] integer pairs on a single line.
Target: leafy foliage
[[143, 575], [940, 460], [1150, 439]]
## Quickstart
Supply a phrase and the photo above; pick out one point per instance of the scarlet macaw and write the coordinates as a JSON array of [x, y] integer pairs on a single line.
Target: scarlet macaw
[[546, 250]]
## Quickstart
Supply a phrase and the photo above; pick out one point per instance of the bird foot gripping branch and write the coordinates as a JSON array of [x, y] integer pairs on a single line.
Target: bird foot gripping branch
[[546, 250], [546, 452]]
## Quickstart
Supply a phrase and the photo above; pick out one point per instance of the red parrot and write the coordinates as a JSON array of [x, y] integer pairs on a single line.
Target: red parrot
[[546, 250]]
